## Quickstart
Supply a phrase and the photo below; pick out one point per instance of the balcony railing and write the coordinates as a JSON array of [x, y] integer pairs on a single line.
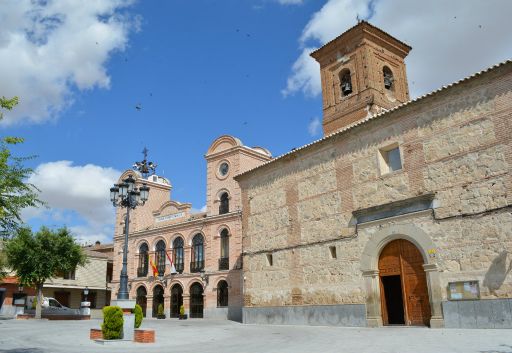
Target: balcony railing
[[180, 266], [224, 263], [142, 272], [196, 266]]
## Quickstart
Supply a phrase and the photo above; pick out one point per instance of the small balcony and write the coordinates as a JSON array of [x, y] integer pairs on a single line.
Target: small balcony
[[179, 267], [224, 263], [142, 272], [196, 266]]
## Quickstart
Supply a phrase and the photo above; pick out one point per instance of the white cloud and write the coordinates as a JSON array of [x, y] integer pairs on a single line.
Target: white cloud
[[315, 126], [49, 48], [195, 210], [76, 192], [305, 76], [450, 39]]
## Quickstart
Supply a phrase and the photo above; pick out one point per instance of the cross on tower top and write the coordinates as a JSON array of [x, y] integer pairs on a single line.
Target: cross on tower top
[[145, 167]]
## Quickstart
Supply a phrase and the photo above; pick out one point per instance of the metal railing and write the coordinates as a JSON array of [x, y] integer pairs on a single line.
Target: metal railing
[[196, 266], [142, 271], [180, 266], [224, 263]]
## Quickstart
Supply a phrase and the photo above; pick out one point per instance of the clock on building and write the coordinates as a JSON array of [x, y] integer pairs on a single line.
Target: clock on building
[[223, 169]]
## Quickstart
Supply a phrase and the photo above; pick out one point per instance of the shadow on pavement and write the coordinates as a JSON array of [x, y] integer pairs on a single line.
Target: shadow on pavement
[[507, 349], [22, 350]]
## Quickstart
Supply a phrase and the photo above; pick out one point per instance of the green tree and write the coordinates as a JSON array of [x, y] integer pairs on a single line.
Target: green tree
[[34, 258], [3, 264], [15, 193]]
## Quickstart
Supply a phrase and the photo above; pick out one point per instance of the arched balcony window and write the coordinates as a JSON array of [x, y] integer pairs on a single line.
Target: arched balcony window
[[224, 250], [224, 203], [142, 269], [178, 254], [388, 78], [345, 82], [160, 257], [197, 263], [222, 294]]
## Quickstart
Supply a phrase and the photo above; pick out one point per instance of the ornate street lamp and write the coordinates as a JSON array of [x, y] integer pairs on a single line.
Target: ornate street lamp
[[127, 195], [86, 292]]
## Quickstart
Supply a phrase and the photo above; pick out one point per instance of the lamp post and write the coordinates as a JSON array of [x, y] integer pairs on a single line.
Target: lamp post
[[127, 195], [86, 292]]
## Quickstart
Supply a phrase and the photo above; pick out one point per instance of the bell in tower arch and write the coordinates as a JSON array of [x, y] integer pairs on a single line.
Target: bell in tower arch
[[346, 82]]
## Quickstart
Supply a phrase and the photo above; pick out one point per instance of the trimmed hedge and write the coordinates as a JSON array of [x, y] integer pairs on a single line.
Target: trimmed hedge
[[138, 315], [112, 326]]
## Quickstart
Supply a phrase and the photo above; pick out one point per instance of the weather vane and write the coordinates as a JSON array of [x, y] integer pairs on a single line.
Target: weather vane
[[145, 167]]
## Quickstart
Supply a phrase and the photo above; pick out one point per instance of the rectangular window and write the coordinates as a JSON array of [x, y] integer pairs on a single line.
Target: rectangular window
[[389, 159], [66, 275], [332, 251], [270, 260]]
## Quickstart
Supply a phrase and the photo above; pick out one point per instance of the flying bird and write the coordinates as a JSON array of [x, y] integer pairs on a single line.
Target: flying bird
[[138, 106]]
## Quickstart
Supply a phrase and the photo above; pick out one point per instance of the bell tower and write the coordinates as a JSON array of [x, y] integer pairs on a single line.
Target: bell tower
[[363, 73]]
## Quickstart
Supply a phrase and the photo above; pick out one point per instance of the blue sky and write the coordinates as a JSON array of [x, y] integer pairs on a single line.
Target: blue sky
[[197, 69]]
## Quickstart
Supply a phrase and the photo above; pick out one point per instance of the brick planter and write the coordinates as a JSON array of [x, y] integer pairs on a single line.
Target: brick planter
[[144, 336], [24, 316], [96, 334]]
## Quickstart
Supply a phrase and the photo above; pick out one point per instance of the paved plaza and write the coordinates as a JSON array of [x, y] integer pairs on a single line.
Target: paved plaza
[[202, 336]]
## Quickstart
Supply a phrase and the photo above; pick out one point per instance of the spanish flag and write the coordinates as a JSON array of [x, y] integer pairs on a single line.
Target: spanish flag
[[155, 270]]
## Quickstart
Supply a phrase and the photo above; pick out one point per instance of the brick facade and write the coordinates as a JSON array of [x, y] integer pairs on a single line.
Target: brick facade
[[162, 218]]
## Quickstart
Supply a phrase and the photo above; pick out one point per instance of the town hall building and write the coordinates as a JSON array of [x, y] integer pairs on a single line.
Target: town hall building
[[205, 248]]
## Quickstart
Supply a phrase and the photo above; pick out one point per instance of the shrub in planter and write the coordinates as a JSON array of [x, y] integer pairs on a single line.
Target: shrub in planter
[[160, 312], [112, 326], [138, 315], [182, 313]]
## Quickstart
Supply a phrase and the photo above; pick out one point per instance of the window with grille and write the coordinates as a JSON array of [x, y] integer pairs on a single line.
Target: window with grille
[[224, 203], [197, 263], [142, 270], [224, 250], [160, 257], [178, 255]]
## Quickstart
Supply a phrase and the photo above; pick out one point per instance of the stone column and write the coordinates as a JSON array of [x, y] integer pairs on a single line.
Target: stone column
[[373, 309], [149, 306], [205, 312], [435, 295], [186, 303], [167, 305], [127, 305]]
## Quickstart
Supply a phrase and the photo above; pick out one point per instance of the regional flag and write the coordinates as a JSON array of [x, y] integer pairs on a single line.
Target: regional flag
[[153, 266], [169, 262]]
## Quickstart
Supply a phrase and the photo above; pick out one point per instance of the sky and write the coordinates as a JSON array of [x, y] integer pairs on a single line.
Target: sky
[[99, 80]]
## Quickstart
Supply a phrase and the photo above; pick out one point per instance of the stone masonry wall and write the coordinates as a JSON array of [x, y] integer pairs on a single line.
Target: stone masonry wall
[[455, 144]]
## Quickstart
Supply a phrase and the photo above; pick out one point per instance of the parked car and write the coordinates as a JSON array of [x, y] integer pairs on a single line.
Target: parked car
[[51, 306]]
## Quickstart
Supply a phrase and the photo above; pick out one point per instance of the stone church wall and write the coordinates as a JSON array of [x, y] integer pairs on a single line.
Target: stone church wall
[[454, 144]]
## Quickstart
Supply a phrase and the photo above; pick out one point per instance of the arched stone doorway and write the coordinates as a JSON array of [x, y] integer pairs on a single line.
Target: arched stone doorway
[[176, 300], [403, 285], [142, 299], [158, 298], [196, 300], [371, 274]]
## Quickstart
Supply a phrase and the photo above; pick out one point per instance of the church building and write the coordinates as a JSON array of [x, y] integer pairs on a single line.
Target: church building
[[399, 215]]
